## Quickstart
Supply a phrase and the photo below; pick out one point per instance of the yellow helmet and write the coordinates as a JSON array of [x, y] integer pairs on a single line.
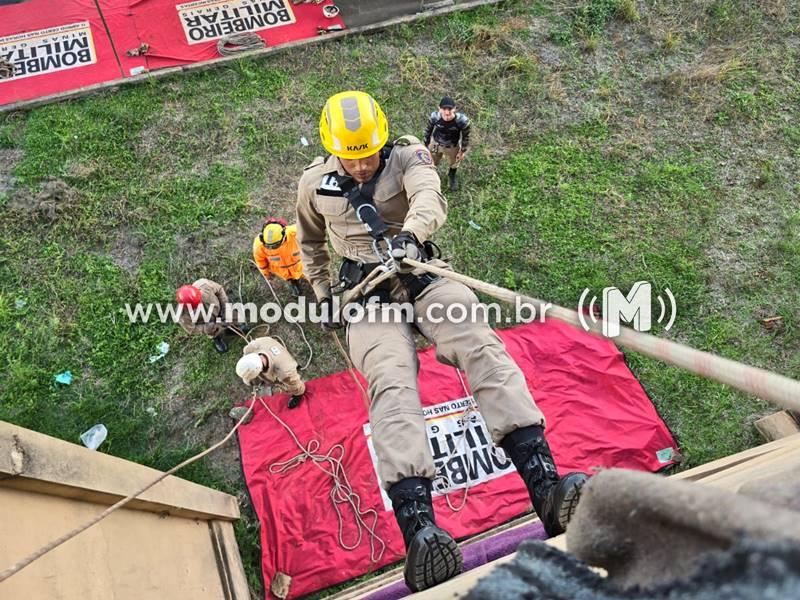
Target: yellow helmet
[[353, 125], [273, 233]]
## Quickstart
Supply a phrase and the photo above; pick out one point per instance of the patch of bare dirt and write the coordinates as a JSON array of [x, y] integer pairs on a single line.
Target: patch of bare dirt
[[52, 200], [127, 250]]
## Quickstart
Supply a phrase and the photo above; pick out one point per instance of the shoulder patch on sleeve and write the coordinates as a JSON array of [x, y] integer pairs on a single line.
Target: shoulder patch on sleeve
[[462, 119], [434, 116], [423, 156]]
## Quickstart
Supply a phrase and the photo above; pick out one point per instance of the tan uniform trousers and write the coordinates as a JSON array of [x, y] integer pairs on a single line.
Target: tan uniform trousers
[[386, 355], [291, 384], [451, 152]]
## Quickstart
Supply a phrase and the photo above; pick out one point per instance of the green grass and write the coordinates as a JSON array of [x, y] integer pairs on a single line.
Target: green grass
[[603, 179]]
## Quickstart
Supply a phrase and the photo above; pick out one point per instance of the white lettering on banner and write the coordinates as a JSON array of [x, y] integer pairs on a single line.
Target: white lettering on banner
[[48, 50], [462, 448], [207, 20]]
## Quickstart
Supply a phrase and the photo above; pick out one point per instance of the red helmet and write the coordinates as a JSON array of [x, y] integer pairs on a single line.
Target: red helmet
[[189, 294]]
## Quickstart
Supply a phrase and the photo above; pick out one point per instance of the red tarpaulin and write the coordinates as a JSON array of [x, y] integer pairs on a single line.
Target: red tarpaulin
[[60, 46], [170, 32], [54, 47], [598, 416]]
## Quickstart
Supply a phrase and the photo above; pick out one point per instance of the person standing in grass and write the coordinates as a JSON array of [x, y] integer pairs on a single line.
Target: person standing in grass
[[277, 254], [447, 134]]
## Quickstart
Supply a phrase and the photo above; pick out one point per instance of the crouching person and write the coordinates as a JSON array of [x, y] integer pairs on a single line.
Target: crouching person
[[202, 311], [265, 359]]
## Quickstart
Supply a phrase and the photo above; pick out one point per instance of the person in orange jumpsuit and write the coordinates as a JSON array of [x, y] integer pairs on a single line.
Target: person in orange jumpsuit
[[276, 253]]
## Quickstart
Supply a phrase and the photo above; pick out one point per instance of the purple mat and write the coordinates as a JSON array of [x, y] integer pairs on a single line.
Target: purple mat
[[475, 555]]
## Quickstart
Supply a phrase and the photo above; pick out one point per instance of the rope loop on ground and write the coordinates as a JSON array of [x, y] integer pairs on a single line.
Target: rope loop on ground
[[331, 463], [238, 43]]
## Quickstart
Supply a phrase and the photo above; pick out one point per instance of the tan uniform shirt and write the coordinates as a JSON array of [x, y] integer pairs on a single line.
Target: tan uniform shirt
[[407, 195], [281, 363], [214, 299]]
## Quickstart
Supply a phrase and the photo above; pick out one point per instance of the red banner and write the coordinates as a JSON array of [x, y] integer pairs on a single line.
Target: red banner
[[598, 416], [166, 33], [53, 47]]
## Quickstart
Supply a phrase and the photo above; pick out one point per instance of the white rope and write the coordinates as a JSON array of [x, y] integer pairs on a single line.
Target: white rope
[[341, 492], [302, 333], [240, 42], [464, 426], [472, 409], [18, 566], [769, 386]]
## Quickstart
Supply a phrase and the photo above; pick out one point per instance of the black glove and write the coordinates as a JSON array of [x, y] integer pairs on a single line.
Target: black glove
[[404, 245], [326, 315]]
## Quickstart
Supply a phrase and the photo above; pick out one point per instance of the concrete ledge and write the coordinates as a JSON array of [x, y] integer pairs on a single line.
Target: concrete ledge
[[36, 462]]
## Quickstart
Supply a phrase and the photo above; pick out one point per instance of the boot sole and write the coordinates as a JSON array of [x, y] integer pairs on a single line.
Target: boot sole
[[433, 558], [570, 503]]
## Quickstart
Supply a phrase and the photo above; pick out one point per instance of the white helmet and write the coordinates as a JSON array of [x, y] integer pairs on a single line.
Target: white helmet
[[249, 367]]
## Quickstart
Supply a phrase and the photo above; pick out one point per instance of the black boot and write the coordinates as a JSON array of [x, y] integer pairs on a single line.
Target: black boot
[[219, 344], [294, 285], [453, 177], [432, 555], [294, 401], [554, 499]]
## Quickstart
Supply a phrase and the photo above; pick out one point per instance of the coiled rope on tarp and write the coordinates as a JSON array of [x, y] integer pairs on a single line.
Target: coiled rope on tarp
[[6, 68], [342, 492], [238, 43]]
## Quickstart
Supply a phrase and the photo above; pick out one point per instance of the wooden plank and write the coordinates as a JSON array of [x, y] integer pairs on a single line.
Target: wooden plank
[[730, 472], [37, 462], [222, 61], [777, 425], [763, 466], [229, 561], [131, 555], [698, 473]]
